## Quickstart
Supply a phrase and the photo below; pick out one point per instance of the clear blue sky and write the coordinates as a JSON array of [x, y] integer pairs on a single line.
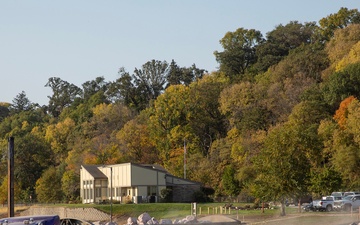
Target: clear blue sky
[[79, 40]]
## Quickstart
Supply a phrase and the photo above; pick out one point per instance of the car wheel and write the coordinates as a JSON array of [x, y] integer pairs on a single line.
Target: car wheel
[[328, 208], [347, 208]]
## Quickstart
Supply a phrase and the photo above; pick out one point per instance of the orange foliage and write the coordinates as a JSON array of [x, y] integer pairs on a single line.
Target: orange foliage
[[341, 114]]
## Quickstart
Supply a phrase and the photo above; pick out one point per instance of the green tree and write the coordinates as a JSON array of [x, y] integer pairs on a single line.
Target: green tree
[[32, 156], [230, 184], [239, 51], [280, 41], [4, 110], [151, 79], [94, 86], [48, 186], [70, 185], [341, 85], [341, 19], [64, 94], [21, 103], [185, 76], [282, 167]]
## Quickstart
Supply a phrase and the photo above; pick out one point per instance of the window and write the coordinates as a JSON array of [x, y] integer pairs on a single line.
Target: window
[[97, 192]]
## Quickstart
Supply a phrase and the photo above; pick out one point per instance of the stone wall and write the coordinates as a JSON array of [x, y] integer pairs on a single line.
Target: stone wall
[[89, 214]]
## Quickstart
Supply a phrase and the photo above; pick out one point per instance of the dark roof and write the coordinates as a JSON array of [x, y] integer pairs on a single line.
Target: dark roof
[[94, 171], [153, 167]]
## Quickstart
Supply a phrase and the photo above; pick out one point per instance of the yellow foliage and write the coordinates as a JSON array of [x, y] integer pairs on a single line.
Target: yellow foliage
[[352, 57], [102, 109]]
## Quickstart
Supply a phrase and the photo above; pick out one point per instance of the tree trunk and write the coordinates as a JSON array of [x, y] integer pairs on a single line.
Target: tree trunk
[[282, 212]]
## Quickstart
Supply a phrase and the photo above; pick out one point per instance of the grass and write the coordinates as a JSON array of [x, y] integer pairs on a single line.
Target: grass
[[181, 210]]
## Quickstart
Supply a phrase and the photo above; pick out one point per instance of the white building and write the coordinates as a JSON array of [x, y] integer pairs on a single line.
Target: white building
[[139, 182]]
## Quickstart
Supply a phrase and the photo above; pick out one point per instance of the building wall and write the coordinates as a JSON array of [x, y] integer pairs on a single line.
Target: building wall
[[87, 186], [131, 180], [143, 176]]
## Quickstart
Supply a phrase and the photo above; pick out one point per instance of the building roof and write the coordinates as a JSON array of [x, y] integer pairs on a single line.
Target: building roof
[[153, 167], [94, 171]]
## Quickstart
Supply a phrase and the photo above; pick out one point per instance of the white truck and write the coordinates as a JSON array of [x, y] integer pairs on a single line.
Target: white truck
[[324, 204], [349, 203]]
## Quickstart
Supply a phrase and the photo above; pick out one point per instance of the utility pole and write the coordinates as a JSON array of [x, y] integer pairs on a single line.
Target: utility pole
[[11, 177], [184, 158]]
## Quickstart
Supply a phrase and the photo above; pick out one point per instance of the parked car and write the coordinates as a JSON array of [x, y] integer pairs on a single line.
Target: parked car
[[351, 193], [324, 204], [308, 207], [339, 203], [337, 194], [32, 220], [350, 202]]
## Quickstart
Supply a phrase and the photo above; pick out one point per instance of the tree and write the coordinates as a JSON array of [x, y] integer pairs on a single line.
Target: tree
[[94, 86], [167, 123], [204, 117], [346, 143], [48, 186], [64, 94], [341, 85], [289, 153], [151, 79], [32, 157], [4, 110], [239, 51], [70, 185], [60, 136], [135, 142], [100, 131], [230, 184], [21, 103], [280, 41], [341, 19], [339, 47], [185, 76], [243, 108]]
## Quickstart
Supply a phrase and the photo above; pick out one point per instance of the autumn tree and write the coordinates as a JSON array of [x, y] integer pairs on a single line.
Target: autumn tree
[[345, 143], [168, 124], [60, 137], [101, 132], [242, 105], [135, 142]]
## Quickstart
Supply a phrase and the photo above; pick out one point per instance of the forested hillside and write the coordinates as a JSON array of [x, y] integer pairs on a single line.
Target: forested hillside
[[280, 117]]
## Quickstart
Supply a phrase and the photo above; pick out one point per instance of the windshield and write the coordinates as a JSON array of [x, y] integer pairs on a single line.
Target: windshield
[[348, 197]]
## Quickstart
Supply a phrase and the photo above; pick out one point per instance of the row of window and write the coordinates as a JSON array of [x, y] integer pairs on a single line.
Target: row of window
[[116, 192]]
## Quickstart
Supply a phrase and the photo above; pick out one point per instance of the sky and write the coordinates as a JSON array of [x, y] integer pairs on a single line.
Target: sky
[[79, 40]]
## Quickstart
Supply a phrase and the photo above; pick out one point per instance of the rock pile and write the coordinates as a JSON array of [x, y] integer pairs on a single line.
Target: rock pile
[[146, 219]]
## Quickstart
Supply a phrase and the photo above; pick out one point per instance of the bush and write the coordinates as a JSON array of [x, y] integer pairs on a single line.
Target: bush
[[166, 195], [200, 196]]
